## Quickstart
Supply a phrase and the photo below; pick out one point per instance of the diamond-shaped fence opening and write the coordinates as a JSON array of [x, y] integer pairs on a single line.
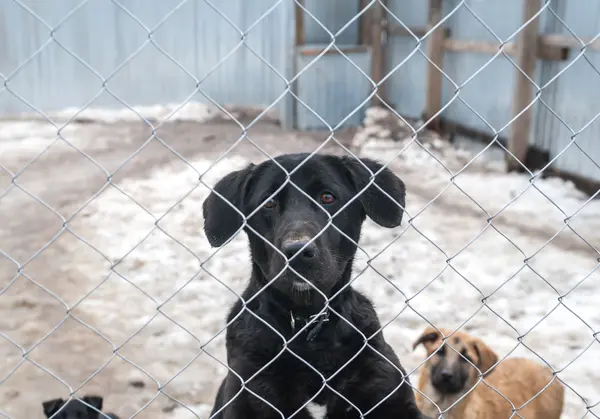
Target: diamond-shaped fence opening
[[140, 154]]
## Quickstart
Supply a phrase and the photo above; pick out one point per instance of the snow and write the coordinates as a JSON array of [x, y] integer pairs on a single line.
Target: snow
[[171, 291], [31, 133], [189, 111]]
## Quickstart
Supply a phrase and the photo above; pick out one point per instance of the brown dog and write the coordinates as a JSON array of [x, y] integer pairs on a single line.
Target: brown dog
[[447, 378]]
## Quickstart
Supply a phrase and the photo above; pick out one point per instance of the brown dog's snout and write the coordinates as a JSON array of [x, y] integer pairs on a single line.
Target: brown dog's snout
[[446, 374]]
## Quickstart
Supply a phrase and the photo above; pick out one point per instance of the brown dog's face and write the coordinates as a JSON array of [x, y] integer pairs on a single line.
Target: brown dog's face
[[451, 368]]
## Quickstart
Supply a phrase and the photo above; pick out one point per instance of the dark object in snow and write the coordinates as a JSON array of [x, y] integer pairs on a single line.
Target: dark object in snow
[[75, 409]]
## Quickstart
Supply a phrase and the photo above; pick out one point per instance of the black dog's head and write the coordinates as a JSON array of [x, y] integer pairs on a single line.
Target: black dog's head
[[74, 408], [289, 219]]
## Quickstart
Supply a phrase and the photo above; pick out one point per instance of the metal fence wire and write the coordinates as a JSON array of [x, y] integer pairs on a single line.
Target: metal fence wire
[[19, 394]]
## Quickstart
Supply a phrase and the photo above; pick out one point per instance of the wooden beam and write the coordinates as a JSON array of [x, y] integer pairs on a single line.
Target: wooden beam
[[420, 32], [569, 41], [536, 157], [586, 185], [310, 50], [477, 47], [545, 51], [454, 128], [550, 51], [435, 52], [551, 47], [526, 58]]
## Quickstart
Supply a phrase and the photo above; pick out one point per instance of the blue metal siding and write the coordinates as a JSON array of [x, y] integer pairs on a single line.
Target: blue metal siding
[[573, 96], [406, 85], [490, 92], [104, 36], [333, 15], [333, 88]]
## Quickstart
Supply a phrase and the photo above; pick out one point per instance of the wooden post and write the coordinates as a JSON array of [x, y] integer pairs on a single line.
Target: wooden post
[[299, 14], [364, 34], [526, 58], [435, 52], [377, 52]]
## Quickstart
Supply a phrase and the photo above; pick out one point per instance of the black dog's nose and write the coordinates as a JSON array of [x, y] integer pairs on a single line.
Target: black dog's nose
[[291, 247]]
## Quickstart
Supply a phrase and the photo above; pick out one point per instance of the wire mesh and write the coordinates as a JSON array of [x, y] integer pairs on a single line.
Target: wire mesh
[[196, 347]]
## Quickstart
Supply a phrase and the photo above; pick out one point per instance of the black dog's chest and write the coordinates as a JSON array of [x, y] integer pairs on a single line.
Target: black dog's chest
[[303, 380], [312, 350], [315, 356], [319, 350], [307, 365]]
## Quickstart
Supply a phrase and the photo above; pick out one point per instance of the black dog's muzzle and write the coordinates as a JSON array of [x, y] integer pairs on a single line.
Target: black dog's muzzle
[[298, 242]]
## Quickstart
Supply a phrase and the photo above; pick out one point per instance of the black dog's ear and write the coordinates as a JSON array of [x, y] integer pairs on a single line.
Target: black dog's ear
[[221, 221], [380, 208], [52, 406], [94, 401]]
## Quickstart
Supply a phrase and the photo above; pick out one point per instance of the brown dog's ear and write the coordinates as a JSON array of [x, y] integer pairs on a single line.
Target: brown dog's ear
[[429, 336], [51, 406], [487, 357]]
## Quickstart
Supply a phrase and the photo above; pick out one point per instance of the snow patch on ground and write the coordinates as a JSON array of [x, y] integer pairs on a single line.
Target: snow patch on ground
[[189, 111], [31, 133], [175, 269]]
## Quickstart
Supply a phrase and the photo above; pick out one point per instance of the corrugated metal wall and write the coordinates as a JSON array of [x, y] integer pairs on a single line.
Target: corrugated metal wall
[[406, 86], [573, 96], [333, 90], [195, 37], [105, 42], [332, 15], [333, 87]]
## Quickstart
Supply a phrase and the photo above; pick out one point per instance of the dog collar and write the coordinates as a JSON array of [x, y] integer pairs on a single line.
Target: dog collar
[[313, 330]]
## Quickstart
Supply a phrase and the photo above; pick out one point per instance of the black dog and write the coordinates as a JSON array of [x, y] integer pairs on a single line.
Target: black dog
[[341, 342], [75, 409]]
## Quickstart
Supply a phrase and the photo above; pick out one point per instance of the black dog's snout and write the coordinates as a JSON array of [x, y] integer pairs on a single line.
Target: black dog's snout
[[291, 247]]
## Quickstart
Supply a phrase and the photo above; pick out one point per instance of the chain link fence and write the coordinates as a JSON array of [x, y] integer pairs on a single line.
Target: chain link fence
[[110, 287]]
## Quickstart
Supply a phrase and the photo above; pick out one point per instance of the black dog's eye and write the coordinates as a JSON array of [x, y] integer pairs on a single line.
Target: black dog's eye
[[271, 203], [327, 198]]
